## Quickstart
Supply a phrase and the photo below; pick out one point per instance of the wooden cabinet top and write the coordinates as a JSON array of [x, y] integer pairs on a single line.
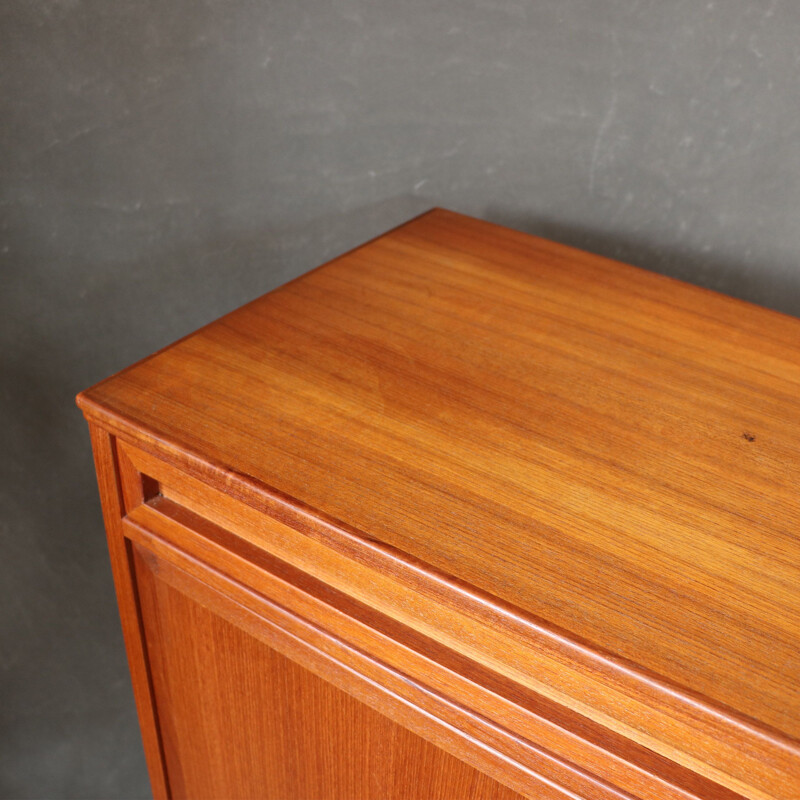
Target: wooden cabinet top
[[607, 456]]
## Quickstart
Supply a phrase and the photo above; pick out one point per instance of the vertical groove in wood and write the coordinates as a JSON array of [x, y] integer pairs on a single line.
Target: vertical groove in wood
[[111, 498]]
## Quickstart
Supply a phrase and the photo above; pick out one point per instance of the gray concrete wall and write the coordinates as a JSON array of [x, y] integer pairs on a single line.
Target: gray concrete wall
[[162, 161]]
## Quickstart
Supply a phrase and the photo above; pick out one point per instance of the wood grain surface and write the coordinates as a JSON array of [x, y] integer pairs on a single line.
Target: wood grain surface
[[611, 455], [242, 720], [106, 465]]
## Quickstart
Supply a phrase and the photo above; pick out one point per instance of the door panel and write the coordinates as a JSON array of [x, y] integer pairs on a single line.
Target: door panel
[[238, 719]]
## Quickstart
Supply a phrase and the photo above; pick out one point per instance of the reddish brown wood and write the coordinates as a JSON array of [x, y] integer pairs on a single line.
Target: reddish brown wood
[[553, 489], [241, 715], [527, 715], [103, 447], [413, 691]]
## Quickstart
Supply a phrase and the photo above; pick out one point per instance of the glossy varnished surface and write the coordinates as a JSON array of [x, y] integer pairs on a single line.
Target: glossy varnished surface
[[611, 451]]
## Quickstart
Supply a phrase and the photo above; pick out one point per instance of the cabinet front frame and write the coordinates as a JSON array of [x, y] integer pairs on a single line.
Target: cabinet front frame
[[460, 704]]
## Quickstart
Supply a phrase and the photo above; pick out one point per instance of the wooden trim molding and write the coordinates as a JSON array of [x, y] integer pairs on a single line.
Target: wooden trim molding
[[111, 496]]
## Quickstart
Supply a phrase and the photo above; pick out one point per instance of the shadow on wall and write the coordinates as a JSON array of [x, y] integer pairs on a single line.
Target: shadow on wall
[[741, 280]]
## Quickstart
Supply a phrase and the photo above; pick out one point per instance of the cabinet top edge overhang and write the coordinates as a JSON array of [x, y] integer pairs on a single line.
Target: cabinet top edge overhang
[[612, 451]]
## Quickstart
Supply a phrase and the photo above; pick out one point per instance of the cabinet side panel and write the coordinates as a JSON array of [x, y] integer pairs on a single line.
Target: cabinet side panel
[[242, 720], [103, 448]]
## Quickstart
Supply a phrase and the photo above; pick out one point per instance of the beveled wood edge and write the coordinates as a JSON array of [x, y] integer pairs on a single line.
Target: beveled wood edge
[[439, 719], [666, 699]]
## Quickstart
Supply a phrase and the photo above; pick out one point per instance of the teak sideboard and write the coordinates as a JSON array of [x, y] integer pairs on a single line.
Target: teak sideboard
[[463, 513]]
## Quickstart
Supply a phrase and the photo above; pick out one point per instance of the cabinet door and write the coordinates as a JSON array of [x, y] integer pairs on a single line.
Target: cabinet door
[[238, 719]]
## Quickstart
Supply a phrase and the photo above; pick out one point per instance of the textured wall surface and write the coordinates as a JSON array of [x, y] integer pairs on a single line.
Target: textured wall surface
[[162, 162]]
